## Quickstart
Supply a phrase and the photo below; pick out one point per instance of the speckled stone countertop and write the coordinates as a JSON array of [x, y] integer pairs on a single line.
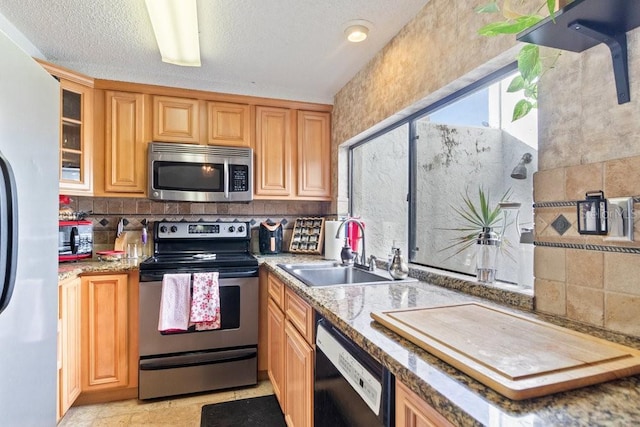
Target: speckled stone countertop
[[67, 270], [461, 399]]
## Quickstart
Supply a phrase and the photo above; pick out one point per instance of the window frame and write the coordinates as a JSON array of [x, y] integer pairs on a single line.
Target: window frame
[[413, 146]]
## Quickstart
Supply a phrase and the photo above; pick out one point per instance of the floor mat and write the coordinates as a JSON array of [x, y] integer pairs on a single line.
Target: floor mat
[[258, 411]]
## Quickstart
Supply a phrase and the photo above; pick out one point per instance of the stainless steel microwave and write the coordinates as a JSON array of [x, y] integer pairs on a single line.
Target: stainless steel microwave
[[200, 173]]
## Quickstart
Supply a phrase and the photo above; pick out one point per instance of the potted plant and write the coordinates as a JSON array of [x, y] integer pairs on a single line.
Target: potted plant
[[475, 216]]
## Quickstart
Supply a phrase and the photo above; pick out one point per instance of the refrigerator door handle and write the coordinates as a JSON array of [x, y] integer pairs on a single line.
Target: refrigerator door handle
[[8, 232]]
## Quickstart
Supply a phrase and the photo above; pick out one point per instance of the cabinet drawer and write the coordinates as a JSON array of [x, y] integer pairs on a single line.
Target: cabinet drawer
[[276, 290], [299, 313]]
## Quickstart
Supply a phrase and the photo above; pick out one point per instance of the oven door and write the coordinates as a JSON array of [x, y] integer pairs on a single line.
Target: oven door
[[238, 315], [197, 361]]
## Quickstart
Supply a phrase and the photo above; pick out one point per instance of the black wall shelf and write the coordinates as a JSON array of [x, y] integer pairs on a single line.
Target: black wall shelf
[[583, 24]]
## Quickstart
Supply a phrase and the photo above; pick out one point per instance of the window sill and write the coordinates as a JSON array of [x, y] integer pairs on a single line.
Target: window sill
[[502, 292]]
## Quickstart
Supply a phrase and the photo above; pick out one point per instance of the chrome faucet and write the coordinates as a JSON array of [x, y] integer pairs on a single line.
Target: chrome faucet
[[367, 264]]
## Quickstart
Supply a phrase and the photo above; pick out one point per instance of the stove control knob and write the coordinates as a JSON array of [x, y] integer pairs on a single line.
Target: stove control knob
[[231, 229], [174, 228], [163, 229], [240, 229]]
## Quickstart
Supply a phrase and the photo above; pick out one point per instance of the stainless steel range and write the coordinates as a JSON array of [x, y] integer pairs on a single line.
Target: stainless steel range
[[173, 363]]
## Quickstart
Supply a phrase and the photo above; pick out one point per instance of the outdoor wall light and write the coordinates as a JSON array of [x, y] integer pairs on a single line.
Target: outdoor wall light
[[520, 171], [175, 24], [592, 214], [357, 30]]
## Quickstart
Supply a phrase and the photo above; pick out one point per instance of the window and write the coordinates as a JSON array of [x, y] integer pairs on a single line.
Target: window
[[412, 183]]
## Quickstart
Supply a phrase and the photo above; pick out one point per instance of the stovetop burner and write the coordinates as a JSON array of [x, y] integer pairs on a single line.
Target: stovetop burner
[[188, 247]]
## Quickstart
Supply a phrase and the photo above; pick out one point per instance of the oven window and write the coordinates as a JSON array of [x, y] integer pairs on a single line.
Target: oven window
[[188, 176], [229, 307], [229, 311]]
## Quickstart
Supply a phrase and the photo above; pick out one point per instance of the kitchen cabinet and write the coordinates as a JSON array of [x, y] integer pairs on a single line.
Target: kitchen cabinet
[[228, 124], [76, 130], [69, 364], [275, 346], [291, 352], [176, 120], [109, 337], [314, 155], [124, 164], [293, 154], [412, 411], [273, 167]]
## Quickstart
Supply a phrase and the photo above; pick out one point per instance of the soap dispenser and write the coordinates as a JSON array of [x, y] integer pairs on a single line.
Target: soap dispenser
[[398, 269], [346, 255]]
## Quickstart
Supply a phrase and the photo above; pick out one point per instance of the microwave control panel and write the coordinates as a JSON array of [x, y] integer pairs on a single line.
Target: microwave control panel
[[239, 178]]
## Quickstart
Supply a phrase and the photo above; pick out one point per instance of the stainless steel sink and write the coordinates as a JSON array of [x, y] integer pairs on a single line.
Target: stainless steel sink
[[333, 274]]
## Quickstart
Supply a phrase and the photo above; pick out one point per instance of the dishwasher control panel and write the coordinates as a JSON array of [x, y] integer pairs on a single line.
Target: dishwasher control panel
[[362, 381]]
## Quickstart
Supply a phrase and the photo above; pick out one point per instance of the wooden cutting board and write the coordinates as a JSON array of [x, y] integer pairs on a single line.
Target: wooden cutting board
[[512, 354]]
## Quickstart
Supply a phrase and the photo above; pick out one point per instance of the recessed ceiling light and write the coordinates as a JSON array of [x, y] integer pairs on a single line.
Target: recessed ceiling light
[[357, 30]]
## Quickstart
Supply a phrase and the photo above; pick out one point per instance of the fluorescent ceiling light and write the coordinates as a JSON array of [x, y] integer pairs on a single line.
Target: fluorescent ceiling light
[[175, 24]]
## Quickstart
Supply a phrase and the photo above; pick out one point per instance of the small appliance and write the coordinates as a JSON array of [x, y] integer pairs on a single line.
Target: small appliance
[[270, 238], [75, 240]]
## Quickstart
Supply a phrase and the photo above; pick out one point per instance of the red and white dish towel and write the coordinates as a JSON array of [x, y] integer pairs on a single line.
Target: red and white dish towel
[[175, 303], [205, 302], [179, 309]]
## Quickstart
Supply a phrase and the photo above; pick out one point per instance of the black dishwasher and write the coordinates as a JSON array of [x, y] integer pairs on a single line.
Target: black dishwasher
[[351, 388]]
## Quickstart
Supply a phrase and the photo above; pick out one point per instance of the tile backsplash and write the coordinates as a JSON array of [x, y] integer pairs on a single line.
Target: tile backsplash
[[106, 212]]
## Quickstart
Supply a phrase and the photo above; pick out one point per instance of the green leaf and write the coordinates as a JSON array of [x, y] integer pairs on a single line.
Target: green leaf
[[509, 27], [551, 6], [531, 91], [516, 84], [529, 63], [490, 8], [521, 109]]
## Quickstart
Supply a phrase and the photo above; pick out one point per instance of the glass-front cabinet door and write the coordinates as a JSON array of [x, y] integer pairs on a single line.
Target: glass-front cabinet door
[[76, 129]]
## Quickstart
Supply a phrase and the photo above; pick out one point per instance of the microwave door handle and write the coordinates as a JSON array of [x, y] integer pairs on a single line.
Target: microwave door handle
[[226, 178], [73, 240], [8, 232]]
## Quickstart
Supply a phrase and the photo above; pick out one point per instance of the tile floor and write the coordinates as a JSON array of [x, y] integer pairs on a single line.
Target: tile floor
[[177, 412]]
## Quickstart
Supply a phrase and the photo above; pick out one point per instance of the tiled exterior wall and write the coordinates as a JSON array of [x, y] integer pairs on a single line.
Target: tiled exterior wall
[[587, 142], [106, 212]]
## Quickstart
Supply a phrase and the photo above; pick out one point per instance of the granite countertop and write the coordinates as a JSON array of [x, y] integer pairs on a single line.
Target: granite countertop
[[67, 270], [460, 398]]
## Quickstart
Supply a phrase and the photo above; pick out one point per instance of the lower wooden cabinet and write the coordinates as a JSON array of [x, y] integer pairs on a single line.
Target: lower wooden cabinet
[[69, 309], [298, 374], [291, 353], [412, 411], [109, 337], [275, 346]]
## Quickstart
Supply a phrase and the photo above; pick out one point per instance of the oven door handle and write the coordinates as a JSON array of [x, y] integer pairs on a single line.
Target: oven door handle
[[197, 358], [227, 178]]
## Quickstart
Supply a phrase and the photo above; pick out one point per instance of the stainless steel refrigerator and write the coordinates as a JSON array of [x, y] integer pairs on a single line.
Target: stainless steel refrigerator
[[29, 126]]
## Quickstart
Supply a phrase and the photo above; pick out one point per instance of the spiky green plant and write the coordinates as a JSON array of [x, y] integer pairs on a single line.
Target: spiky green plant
[[472, 218]]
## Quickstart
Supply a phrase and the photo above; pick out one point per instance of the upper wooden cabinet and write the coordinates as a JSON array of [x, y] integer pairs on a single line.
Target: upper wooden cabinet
[[176, 120], [314, 154], [228, 124], [125, 145], [293, 154], [76, 130], [273, 152]]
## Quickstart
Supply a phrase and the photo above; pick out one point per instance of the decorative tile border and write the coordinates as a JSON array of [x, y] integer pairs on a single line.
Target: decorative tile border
[[590, 247]]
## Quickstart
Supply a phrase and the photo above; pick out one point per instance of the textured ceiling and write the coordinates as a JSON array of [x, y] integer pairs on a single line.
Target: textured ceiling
[[290, 49]]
